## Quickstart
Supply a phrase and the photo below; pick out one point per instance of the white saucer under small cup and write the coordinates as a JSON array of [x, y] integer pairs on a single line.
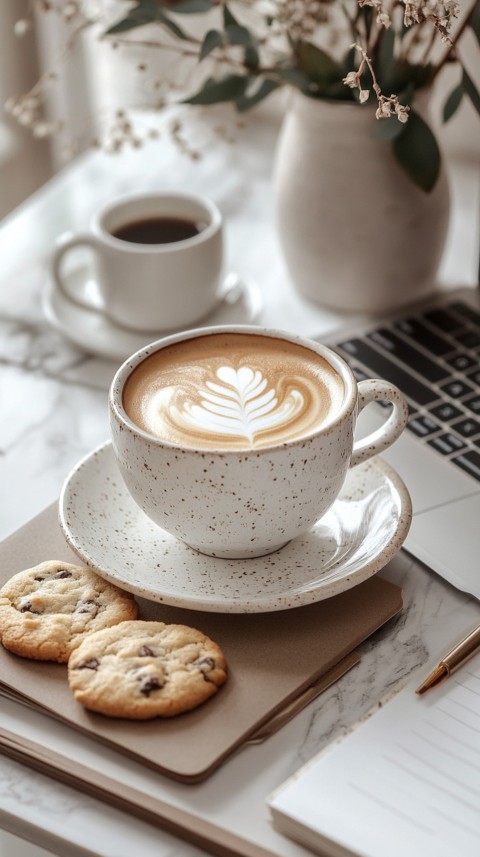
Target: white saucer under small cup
[[361, 532], [95, 333]]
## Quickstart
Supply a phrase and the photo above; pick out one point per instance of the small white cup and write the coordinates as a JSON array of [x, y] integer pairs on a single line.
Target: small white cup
[[248, 502], [149, 287]]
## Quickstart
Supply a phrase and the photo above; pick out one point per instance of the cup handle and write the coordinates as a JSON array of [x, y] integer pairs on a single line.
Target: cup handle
[[231, 289], [390, 430], [63, 245]]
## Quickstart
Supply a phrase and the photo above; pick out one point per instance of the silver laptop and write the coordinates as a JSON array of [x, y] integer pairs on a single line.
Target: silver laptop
[[432, 353]]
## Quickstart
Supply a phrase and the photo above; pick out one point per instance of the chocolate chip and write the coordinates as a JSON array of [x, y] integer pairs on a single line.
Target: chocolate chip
[[145, 652], [92, 664], [28, 608], [39, 578], [61, 573], [149, 684], [205, 664], [87, 606]]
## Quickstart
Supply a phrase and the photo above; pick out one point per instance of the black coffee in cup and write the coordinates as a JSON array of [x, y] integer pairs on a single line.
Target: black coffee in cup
[[158, 230]]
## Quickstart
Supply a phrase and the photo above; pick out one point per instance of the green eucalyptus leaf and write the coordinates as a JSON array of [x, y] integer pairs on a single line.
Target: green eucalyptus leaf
[[453, 102], [250, 57], [317, 65], [474, 21], [216, 90], [368, 15], [407, 95], [338, 91], [416, 150], [295, 78], [250, 99], [349, 60], [471, 90], [191, 7], [238, 35], [386, 58], [213, 39], [228, 19], [403, 74], [171, 25], [421, 75], [145, 12], [388, 129]]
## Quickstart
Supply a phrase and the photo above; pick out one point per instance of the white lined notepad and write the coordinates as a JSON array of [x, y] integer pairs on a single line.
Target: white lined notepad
[[406, 782]]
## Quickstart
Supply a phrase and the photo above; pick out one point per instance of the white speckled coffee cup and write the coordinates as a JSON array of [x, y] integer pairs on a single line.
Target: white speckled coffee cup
[[248, 502]]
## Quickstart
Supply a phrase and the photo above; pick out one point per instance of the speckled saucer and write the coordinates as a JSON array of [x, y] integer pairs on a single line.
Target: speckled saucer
[[357, 537]]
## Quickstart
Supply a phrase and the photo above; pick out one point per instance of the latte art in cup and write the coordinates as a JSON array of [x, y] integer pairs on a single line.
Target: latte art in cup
[[236, 440], [233, 391]]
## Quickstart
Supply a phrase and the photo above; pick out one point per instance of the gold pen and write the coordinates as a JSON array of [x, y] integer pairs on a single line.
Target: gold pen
[[468, 647]]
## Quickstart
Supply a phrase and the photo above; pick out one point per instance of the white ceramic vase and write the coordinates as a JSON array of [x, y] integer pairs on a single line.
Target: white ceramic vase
[[357, 234]]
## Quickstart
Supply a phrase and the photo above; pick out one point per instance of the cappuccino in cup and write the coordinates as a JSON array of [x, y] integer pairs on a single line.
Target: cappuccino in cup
[[236, 440], [233, 391]]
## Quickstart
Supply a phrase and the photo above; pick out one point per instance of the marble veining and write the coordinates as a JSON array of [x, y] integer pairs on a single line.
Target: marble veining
[[19, 784], [76, 816], [32, 347]]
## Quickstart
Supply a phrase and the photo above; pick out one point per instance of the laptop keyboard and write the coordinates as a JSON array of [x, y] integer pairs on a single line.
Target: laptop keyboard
[[434, 359]]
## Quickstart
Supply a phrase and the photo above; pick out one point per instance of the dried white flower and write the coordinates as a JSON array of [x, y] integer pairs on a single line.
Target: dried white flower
[[15, 109], [25, 118], [402, 112], [42, 130], [363, 95], [70, 10], [22, 27], [383, 18], [352, 79], [384, 110], [440, 14]]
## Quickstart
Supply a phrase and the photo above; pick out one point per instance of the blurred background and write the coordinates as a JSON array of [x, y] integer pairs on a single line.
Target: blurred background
[[94, 80]]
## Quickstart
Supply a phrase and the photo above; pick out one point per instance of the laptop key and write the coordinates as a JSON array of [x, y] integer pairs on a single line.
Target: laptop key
[[462, 362], [422, 335], [423, 426], [447, 443], [446, 412], [468, 427], [470, 462], [473, 403], [468, 338], [457, 389], [442, 319], [467, 312], [409, 355], [383, 367], [474, 377]]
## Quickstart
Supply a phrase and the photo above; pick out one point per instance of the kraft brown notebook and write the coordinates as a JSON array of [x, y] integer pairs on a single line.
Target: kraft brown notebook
[[277, 662]]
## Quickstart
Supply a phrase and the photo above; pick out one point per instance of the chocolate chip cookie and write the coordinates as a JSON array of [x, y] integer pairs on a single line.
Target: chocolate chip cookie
[[47, 610], [140, 670]]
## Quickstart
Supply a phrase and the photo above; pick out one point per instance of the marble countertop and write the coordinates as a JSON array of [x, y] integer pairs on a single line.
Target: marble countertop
[[53, 397]]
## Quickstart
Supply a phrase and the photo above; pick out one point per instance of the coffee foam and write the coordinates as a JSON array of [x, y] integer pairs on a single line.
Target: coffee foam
[[233, 391]]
